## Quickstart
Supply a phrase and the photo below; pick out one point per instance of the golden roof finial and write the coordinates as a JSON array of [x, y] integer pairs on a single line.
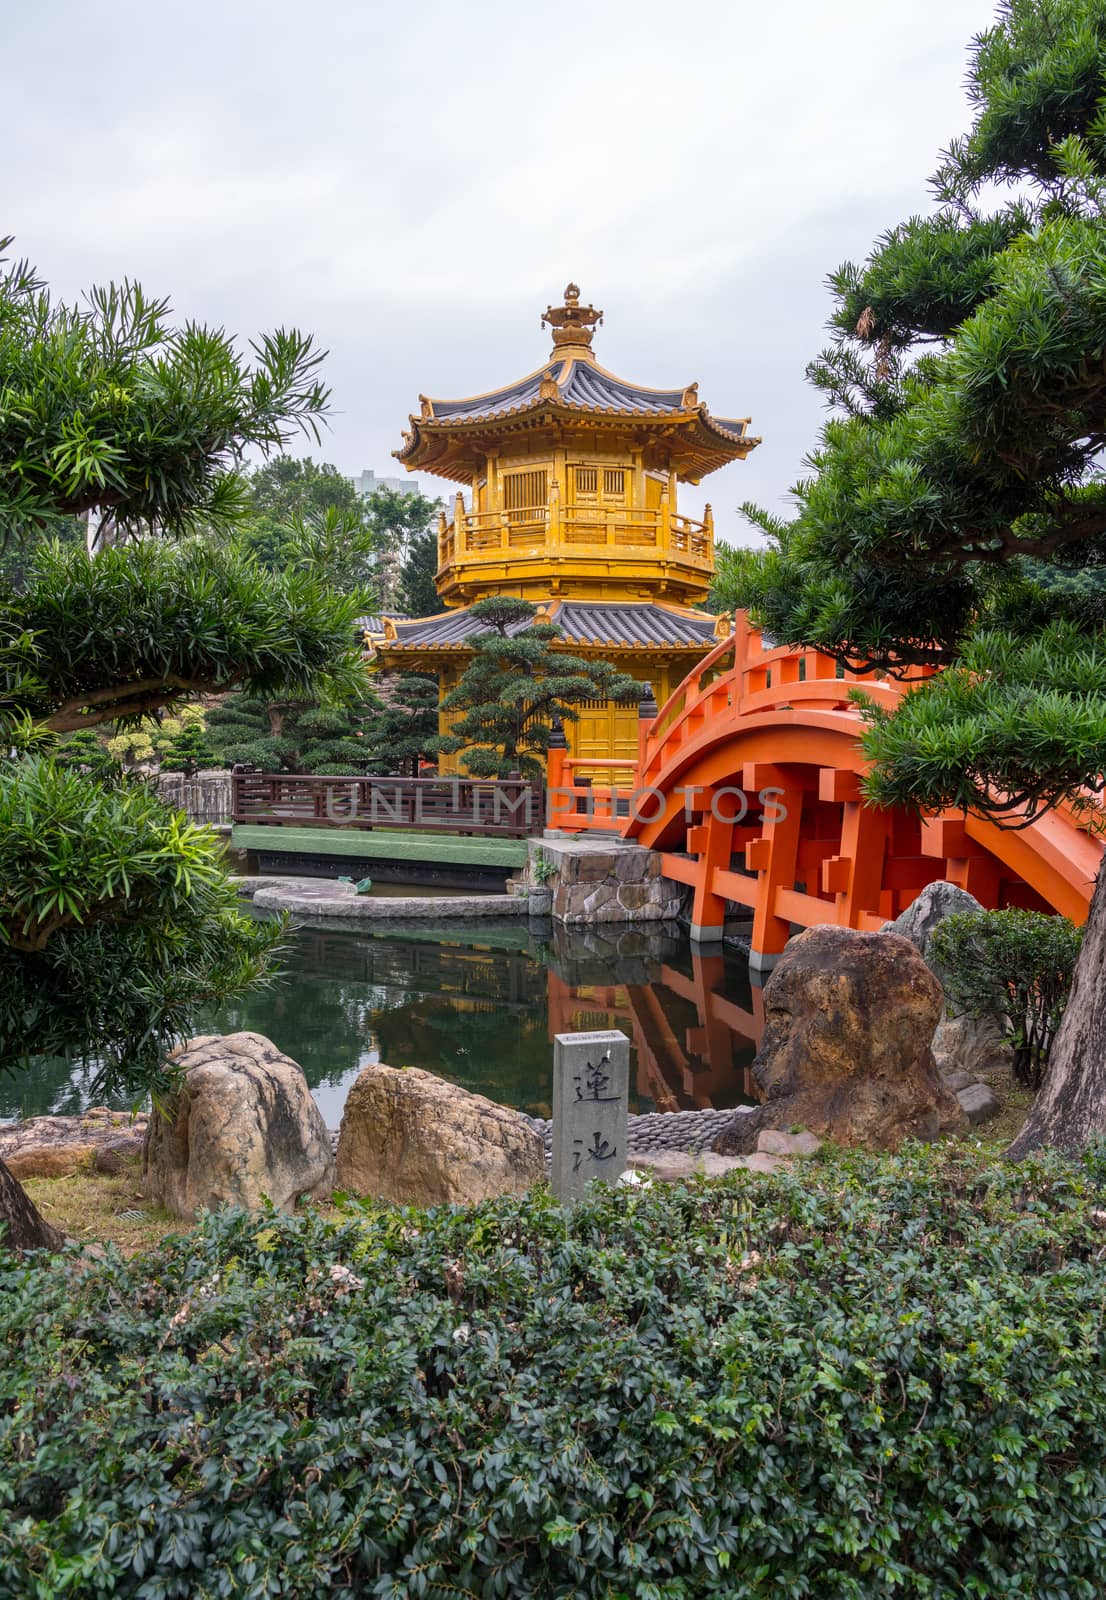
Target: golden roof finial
[[572, 323]]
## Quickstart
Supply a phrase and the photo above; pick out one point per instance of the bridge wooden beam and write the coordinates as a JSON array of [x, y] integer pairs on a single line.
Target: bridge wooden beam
[[774, 856], [708, 908], [856, 876]]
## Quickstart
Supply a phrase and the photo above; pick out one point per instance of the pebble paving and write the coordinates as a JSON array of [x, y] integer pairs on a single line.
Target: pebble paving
[[682, 1131]]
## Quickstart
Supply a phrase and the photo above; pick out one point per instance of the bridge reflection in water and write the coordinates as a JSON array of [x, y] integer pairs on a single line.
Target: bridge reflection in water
[[480, 1004]]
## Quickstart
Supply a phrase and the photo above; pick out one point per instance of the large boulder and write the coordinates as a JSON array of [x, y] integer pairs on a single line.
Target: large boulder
[[846, 1046], [413, 1138], [242, 1129], [924, 915], [961, 1043]]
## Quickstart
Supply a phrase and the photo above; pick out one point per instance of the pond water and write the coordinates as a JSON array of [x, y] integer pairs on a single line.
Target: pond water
[[478, 1004]]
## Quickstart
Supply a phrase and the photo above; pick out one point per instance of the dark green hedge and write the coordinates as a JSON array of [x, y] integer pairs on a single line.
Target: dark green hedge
[[870, 1378]]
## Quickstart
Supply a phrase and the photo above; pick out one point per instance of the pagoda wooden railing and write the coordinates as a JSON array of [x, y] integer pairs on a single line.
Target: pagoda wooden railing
[[507, 808], [627, 529]]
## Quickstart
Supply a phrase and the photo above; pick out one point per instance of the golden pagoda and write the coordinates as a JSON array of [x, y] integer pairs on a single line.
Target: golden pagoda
[[572, 476]]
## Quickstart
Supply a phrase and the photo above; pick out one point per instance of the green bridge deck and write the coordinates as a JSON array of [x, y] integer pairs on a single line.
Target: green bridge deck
[[388, 844]]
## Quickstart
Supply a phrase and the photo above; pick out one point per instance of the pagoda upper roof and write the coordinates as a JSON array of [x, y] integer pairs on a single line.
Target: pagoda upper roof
[[573, 387]]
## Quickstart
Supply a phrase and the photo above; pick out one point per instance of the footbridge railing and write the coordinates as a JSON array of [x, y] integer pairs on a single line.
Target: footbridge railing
[[748, 780], [508, 808]]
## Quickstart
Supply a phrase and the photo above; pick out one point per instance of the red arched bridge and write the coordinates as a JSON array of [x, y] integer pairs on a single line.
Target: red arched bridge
[[748, 782]]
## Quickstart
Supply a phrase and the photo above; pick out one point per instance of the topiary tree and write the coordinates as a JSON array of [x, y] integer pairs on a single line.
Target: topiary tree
[[515, 685], [291, 736], [88, 753], [1013, 964], [186, 750], [116, 916], [955, 511], [405, 729]]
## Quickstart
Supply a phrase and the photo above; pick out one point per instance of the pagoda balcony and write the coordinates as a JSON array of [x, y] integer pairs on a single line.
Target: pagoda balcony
[[566, 536]]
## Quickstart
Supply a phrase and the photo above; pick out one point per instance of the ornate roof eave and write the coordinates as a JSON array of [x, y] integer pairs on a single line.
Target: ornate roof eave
[[710, 442]]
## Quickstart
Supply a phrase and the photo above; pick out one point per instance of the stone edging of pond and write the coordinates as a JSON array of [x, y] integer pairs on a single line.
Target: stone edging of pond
[[323, 897], [678, 1132]]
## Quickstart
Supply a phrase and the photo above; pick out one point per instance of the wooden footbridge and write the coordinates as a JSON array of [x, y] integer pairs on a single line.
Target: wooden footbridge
[[748, 782]]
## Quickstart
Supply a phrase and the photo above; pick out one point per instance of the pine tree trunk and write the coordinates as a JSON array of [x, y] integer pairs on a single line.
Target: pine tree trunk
[[1070, 1108], [22, 1225]]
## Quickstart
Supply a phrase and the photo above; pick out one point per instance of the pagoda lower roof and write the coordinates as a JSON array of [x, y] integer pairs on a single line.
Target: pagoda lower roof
[[621, 625], [568, 389], [374, 622]]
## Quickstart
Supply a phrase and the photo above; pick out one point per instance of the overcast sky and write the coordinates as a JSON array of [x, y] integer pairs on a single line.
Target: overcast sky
[[414, 184]]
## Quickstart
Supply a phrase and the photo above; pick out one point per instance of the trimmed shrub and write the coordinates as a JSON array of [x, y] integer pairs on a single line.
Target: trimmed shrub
[[1017, 965], [875, 1377]]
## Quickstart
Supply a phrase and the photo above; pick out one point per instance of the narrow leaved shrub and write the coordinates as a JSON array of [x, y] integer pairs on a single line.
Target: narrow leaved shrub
[[870, 1378], [1017, 965]]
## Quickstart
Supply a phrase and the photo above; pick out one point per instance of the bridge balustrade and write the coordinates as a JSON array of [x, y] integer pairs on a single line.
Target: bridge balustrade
[[508, 808]]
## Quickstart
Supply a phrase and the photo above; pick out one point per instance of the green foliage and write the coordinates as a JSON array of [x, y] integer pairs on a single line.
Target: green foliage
[[109, 409], [305, 516], [291, 736], [1013, 964], [85, 752], [154, 738], [882, 1376], [543, 867], [418, 595], [285, 488], [515, 685], [17, 556], [117, 921], [118, 634], [406, 726], [186, 751], [955, 511], [1015, 726], [401, 523]]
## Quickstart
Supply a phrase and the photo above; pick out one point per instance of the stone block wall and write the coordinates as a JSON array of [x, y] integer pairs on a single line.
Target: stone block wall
[[606, 880]]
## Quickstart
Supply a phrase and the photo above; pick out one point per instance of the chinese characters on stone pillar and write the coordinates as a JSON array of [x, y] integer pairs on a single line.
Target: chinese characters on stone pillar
[[591, 1087]]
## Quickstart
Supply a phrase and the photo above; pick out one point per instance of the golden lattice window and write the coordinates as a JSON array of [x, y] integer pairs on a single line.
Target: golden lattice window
[[614, 480], [525, 491], [587, 480]]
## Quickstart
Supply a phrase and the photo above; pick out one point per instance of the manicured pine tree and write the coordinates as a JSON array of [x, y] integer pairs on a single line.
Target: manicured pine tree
[[186, 750], [405, 729], [955, 512], [287, 736], [514, 687]]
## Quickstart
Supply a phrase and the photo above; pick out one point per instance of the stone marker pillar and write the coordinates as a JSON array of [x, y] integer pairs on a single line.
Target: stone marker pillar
[[591, 1092]]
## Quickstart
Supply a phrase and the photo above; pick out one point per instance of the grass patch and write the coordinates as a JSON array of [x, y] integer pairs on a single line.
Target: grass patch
[[94, 1208]]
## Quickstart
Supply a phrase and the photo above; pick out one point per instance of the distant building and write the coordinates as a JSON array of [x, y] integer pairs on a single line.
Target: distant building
[[366, 483]]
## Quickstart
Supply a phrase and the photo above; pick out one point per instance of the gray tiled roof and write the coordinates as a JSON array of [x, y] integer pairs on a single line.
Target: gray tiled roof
[[628, 624], [374, 622], [591, 386], [581, 622], [580, 383]]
